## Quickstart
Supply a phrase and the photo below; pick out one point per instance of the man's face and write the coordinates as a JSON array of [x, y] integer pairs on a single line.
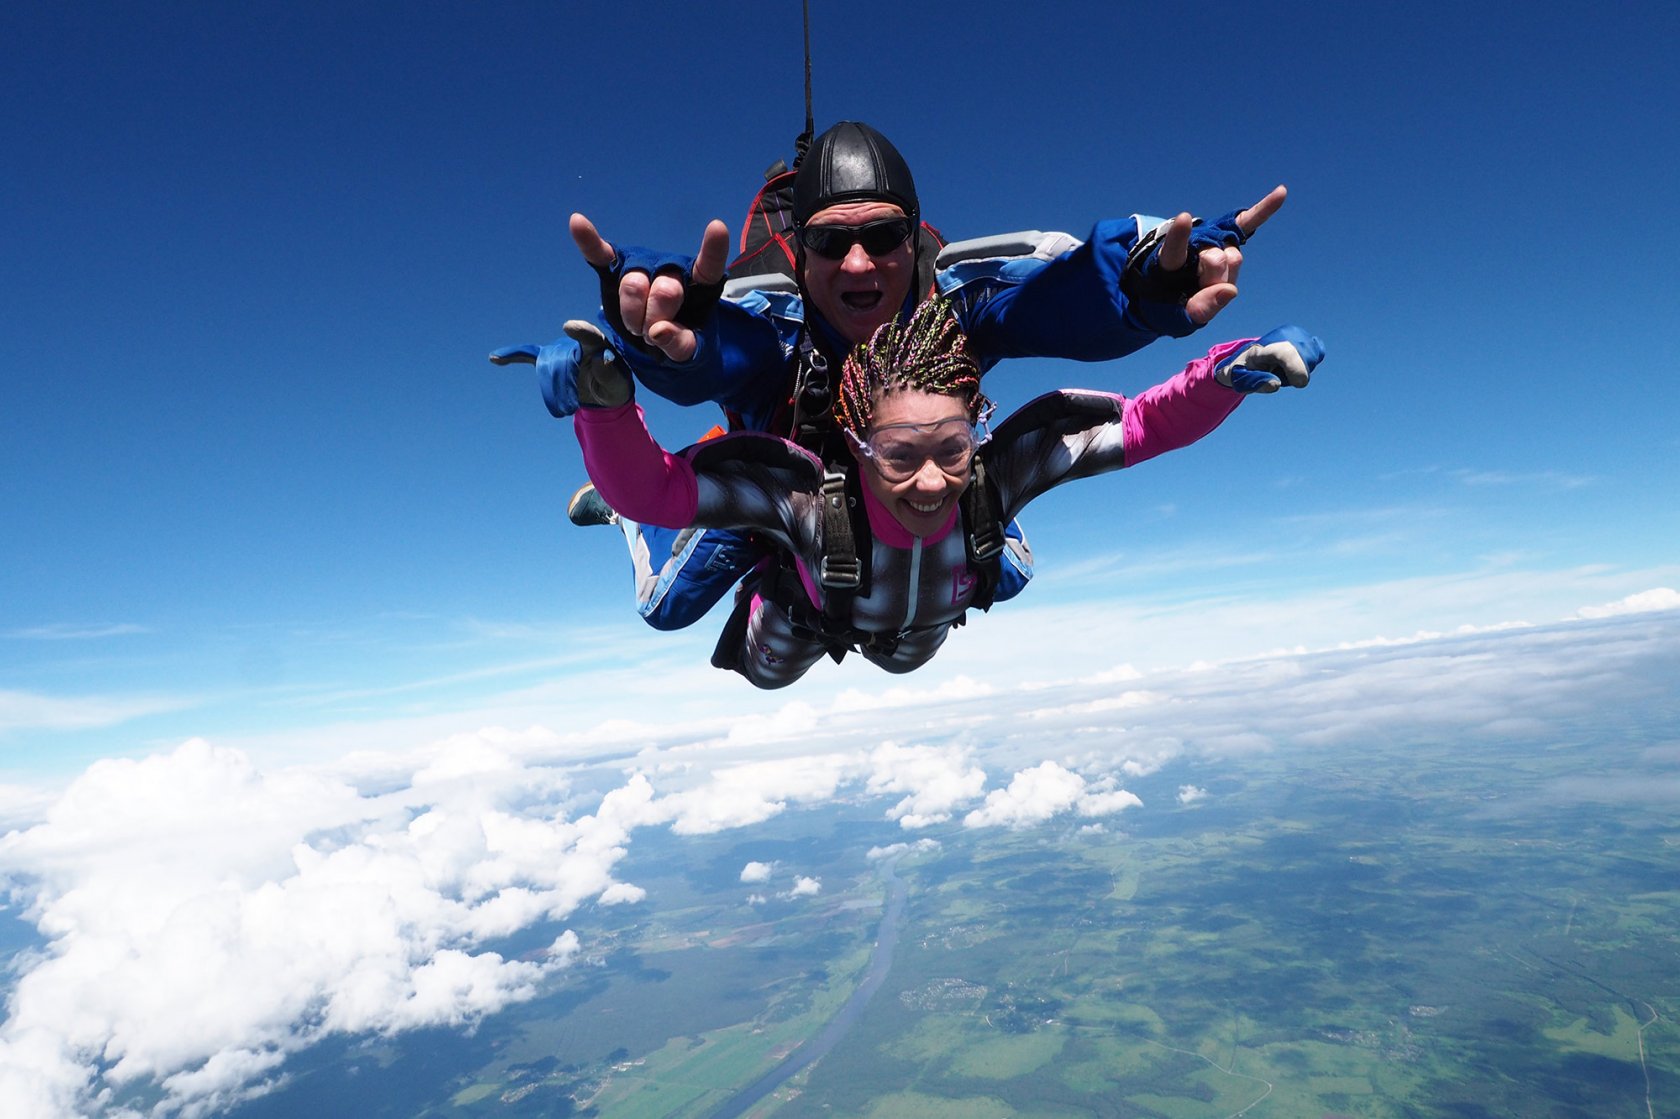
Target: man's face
[[860, 292]]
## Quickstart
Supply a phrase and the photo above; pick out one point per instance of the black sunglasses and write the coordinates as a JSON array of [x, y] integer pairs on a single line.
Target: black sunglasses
[[833, 242]]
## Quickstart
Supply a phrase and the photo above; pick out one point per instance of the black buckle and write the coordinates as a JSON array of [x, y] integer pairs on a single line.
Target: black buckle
[[986, 543], [843, 573]]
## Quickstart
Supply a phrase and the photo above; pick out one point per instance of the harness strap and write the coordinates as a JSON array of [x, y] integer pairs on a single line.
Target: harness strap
[[841, 569], [982, 515], [812, 395], [983, 533], [781, 584]]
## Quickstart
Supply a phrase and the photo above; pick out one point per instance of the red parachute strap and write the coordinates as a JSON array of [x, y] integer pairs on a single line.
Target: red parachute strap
[[757, 214], [766, 242], [929, 233]]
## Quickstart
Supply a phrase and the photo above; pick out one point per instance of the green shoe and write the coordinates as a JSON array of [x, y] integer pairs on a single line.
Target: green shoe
[[587, 508]]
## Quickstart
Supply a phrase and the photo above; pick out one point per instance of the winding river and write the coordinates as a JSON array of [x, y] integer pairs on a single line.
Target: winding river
[[879, 964]]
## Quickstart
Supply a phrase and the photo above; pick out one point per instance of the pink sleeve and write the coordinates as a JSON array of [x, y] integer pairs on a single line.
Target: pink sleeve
[[1181, 410], [635, 476]]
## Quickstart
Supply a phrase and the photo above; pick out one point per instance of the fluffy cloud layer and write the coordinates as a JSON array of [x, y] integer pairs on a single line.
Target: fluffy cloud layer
[[205, 918]]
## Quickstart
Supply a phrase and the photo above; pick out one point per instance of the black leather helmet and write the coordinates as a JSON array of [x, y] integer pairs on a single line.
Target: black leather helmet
[[852, 162]]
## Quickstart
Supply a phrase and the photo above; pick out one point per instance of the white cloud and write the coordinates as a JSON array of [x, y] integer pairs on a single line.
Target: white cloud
[[1553, 478], [1121, 702], [804, 887], [1035, 795], [1119, 674], [1658, 598], [1053, 644], [891, 850], [1148, 757], [756, 872], [68, 631], [754, 792], [1190, 794], [957, 688], [936, 780], [1032, 796], [1106, 803], [797, 719], [22, 805], [32, 711], [1424, 635]]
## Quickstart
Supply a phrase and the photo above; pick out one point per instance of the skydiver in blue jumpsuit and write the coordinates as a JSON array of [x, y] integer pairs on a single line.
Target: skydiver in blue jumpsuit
[[864, 258]]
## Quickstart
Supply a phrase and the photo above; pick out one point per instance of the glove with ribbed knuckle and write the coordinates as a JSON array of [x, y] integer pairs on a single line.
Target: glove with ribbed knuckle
[[1284, 356]]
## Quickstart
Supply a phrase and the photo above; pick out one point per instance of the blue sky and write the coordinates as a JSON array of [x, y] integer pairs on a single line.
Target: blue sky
[[255, 256], [261, 488], [259, 476]]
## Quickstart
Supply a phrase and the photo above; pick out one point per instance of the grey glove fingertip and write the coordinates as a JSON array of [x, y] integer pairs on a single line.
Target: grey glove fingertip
[[602, 380]]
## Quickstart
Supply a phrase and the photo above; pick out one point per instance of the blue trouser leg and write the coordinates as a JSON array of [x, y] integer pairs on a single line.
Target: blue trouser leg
[[1015, 569], [682, 573]]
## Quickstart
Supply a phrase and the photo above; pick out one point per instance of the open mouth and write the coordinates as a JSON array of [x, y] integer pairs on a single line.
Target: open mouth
[[861, 300], [925, 508]]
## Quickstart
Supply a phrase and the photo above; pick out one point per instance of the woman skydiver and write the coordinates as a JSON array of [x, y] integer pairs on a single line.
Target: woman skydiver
[[908, 402]]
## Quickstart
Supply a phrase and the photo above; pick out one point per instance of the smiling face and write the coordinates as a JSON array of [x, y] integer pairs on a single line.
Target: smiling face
[[917, 424], [860, 292]]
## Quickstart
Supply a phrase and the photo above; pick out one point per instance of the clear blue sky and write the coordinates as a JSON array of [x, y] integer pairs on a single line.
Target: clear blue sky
[[259, 476], [303, 671]]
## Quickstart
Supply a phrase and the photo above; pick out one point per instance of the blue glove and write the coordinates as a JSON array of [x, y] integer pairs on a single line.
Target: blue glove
[[1222, 234], [698, 299], [557, 370], [1145, 278], [1285, 356]]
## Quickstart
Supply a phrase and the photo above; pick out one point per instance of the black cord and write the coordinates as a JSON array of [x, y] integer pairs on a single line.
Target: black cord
[[803, 144]]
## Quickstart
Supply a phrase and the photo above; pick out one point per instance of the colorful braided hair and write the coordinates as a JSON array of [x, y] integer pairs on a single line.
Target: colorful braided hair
[[929, 352]]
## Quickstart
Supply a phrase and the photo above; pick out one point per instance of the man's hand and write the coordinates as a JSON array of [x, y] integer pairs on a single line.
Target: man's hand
[[658, 302], [1285, 356], [1216, 265], [1165, 272]]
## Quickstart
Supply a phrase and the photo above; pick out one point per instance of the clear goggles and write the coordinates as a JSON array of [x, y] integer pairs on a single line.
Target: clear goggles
[[898, 451]]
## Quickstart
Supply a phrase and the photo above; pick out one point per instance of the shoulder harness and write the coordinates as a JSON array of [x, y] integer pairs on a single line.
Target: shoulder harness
[[843, 570]]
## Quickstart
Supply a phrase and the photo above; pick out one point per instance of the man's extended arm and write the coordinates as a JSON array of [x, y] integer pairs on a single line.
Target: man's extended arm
[[1131, 282]]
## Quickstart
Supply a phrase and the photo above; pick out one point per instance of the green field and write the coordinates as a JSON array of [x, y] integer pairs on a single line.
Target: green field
[[1417, 934]]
